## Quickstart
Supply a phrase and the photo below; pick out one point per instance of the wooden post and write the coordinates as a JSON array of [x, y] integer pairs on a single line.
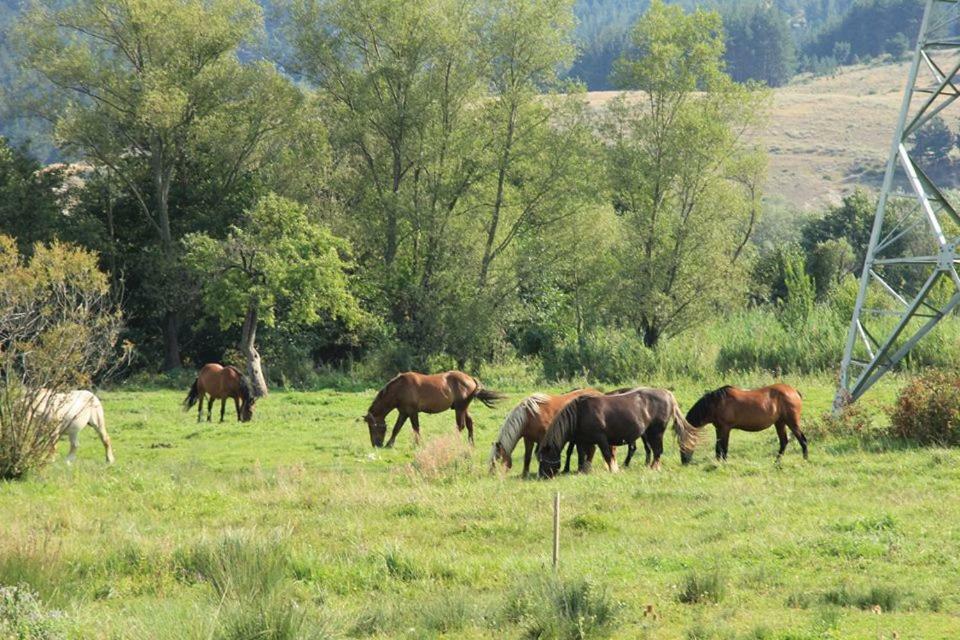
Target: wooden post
[[556, 531]]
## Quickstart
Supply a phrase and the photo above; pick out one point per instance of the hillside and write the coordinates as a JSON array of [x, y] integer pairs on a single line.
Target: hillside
[[826, 136]]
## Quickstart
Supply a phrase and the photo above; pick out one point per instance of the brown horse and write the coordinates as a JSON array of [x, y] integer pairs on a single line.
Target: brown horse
[[730, 408], [412, 393], [606, 421], [529, 420], [219, 383]]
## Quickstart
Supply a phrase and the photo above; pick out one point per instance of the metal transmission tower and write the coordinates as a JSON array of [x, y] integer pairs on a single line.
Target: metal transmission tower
[[909, 281]]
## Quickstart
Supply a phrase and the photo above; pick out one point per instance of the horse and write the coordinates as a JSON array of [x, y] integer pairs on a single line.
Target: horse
[[70, 412], [605, 421], [529, 420], [730, 408], [219, 383], [411, 393]]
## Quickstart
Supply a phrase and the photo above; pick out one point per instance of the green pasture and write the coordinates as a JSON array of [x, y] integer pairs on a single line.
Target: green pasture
[[373, 545]]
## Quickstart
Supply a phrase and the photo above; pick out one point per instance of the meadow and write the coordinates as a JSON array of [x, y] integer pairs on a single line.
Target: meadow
[[293, 523]]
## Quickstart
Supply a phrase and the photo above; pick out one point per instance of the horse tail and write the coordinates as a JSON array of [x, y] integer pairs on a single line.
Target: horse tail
[[486, 396], [686, 433], [191, 398]]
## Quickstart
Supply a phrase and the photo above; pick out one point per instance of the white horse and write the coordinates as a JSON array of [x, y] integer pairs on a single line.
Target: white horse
[[70, 412]]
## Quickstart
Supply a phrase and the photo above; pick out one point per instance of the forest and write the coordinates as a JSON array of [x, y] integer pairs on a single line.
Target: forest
[[413, 192]]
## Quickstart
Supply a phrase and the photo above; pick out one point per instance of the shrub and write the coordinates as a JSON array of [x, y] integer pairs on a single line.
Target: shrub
[[58, 327], [236, 566], [704, 586], [888, 598], [927, 410], [23, 617], [553, 609], [855, 420]]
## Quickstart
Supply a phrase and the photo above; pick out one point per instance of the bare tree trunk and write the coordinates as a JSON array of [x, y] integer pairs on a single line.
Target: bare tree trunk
[[171, 345], [171, 320], [248, 345]]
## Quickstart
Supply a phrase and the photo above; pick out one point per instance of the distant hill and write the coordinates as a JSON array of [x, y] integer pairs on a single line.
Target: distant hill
[[827, 136]]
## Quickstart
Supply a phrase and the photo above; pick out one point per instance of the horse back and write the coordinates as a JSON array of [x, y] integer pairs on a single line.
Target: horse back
[[762, 407], [219, 381]]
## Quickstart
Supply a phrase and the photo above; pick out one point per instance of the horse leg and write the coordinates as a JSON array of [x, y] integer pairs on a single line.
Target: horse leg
[[585, 457], [401, 418], [725, 441], [794, 424], [631, 449], [469, 421], [782, 434], [73, 434], [607, 452], [646, 450], [200, 408], [528, 455], [570, 447], [415, 423], [99, 425], [718, 448], [210, 409], [656, 444], [236, 404]]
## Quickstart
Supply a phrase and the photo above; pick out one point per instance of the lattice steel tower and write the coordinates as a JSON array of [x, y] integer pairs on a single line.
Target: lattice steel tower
[[910, 281]]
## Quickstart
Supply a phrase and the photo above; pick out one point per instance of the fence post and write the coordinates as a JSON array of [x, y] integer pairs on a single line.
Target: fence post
[[556, 531]]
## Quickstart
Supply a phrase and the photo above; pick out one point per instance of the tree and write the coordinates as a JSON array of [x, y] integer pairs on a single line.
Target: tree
[[759, 45], [934, 141], [136, 87], [682, 177], [58, 329], [278, 262], [851, 221]]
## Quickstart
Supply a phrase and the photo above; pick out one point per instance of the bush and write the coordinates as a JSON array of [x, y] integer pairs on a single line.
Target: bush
[[704, 586], [552, 609], [855, 420], [443, 457], [236, 566], [927, 410], [58, 327], [23, 617]]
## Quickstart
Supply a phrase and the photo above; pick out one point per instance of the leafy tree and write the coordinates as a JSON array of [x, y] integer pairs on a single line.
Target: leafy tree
[[58, 329], [277, 262], [137, 87], [681, 175], [851, 221], [30, 210], [829, 263], [934, 141], [801, 294], [759, 45]]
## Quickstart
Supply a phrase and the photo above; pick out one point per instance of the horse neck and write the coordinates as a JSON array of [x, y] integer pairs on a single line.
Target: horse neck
[[383, 404], [514, 425], [563, 425]]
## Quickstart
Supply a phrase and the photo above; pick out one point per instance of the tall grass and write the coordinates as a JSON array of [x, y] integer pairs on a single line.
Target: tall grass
[[550, 608]]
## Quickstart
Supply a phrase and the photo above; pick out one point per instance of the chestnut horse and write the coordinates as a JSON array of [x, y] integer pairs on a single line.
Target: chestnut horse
[[529, 420], [606, 421], [412, 393], [219, 383], [730, 408]]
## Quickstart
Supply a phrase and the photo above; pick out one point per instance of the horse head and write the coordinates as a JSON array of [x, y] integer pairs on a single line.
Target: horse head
[[246, 409], [499, 454], [377, 427], [549, 459]]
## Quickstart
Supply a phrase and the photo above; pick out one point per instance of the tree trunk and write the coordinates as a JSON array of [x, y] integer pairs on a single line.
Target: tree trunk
[[248, 346], [171, 345], [162, 176]]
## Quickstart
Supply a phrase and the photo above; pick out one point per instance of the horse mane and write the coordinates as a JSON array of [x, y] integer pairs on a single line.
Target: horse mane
[[701, 409], [383, 391], [246, 391], [513, 425], [560, 430]]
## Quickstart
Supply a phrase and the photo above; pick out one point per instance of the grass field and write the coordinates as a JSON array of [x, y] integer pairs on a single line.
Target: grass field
[[293, 517]]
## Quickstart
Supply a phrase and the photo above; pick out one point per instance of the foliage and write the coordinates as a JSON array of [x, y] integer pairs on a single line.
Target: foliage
[[798, 305], [551, 608], [927, 410], [759, 45], [58, 329], [23, 617], [934, 140], [682, 178], [871, 28]]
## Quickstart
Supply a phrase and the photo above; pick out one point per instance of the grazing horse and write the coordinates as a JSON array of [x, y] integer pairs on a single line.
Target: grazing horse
[[219, 383], [412, 393], [70, 412], [529, 420], [605, 421], [749, 410]]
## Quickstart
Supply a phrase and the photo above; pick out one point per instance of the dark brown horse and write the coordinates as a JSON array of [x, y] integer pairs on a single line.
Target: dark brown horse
[[606, 421], [219, 383], [414, 393], [730, 408]]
